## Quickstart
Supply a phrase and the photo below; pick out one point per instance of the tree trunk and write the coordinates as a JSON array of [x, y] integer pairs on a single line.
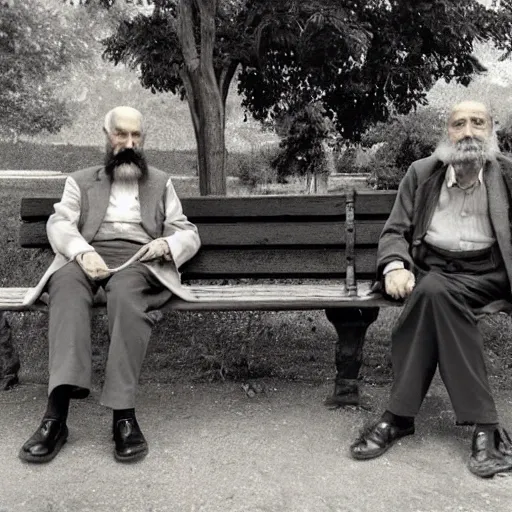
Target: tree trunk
[[212, 172], [321, 183], [204, 96]]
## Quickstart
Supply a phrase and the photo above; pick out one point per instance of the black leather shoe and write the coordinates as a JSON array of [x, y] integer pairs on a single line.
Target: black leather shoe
[[377, 439], [491, 453], [46, 442], [505, 442], [129, 440]]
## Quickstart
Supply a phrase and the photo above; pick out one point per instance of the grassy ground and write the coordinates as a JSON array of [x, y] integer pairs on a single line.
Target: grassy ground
[[231, 345]]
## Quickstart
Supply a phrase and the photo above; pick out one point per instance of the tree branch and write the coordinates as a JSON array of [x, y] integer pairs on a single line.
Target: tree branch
[[191, 98], [186, 34], [225, 77]]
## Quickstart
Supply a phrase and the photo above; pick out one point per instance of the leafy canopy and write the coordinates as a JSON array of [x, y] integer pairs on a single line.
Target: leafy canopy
[[366, 59], [362, 59]]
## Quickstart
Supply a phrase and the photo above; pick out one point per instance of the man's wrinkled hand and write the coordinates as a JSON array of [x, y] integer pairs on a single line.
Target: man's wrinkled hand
[[93, 265], [156, 249], [399, 283]]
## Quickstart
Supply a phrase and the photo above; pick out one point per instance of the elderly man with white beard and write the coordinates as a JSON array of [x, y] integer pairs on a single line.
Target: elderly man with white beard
[[108, 215], [446, 249]]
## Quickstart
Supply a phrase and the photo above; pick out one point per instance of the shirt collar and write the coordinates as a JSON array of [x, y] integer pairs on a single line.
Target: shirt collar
[[451, 180]]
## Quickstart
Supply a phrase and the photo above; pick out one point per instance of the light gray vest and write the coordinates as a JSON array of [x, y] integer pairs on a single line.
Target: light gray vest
[[94, 187]]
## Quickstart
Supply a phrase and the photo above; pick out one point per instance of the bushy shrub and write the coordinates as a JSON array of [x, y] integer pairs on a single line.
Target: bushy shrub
[[401, 141], [352, 159], [346, 160], [257, 167], [303, 147]]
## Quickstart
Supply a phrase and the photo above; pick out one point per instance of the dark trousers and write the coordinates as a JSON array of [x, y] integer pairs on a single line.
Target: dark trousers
[[438, 327], [130, 293]]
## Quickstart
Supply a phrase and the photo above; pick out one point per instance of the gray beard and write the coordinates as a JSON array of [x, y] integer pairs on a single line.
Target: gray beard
[[127, 173], [467, 152]]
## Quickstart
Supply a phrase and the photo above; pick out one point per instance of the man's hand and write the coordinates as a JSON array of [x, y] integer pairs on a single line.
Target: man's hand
[[399, 283], [93, 265], [156, 249]]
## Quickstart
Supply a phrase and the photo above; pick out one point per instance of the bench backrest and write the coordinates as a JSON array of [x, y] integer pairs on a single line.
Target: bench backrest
[[328, 236]]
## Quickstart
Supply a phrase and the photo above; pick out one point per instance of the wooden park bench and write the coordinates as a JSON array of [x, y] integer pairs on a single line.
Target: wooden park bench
[[272, 253]]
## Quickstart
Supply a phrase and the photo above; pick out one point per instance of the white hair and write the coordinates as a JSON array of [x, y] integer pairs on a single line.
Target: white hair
[[127, 173]]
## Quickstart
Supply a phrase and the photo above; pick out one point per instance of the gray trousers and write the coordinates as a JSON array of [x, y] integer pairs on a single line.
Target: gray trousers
[[130, 293], [438, 327]]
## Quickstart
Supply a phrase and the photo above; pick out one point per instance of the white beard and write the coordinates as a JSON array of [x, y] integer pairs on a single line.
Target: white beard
[[449, 153], [127, 173]]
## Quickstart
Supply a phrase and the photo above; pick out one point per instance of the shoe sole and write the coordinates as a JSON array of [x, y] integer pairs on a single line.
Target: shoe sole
[[43, 458], [490, 472], [131, 458], [382, 451]]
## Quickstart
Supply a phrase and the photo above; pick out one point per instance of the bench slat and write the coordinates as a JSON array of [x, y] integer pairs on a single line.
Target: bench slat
[[265, 262], [368, 202], [198, 208], [244, 297], [374, 202], [235, 263], [33, 234]]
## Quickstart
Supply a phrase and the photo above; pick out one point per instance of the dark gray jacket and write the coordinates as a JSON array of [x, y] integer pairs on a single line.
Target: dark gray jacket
[[415, 203]]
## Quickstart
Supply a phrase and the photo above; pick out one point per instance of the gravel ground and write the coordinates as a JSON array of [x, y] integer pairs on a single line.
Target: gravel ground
[[214, 448]]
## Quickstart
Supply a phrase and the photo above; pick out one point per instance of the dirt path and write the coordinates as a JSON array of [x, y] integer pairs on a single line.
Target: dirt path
[[212, 448]]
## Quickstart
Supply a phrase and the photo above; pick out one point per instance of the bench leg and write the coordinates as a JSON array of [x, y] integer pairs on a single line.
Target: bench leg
[[9, 360], [351, 325]]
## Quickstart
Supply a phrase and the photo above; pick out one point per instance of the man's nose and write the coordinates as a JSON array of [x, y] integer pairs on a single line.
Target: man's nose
[[468, 131], [129, 142]]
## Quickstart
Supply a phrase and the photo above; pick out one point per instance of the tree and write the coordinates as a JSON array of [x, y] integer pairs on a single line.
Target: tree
[[184, 56], [195, 49], [304, 147], [407, 48], [362, 60], [35, 44]]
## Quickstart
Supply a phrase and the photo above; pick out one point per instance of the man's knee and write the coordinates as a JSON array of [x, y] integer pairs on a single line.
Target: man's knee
[[69, 281], [430, 286], [124, 297], [127, 288], [70, 274]]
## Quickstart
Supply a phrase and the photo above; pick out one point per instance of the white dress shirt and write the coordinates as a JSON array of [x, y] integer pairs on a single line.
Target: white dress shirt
[[461, 219]]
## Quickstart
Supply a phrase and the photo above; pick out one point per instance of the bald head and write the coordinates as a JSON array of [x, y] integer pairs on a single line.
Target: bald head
[[475, 106], [123, 116]]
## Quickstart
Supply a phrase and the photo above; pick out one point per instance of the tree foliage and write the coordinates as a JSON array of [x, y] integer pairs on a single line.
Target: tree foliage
[[399, 142], [36, 42], [159, 58], [304, 146], [361, 60], [374, 58]]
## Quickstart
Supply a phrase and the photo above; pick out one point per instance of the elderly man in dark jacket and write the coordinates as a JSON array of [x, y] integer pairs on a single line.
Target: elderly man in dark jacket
[[446, 247]]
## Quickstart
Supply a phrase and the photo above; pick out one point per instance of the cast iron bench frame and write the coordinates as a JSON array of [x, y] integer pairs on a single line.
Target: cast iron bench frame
[[256, 239]]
